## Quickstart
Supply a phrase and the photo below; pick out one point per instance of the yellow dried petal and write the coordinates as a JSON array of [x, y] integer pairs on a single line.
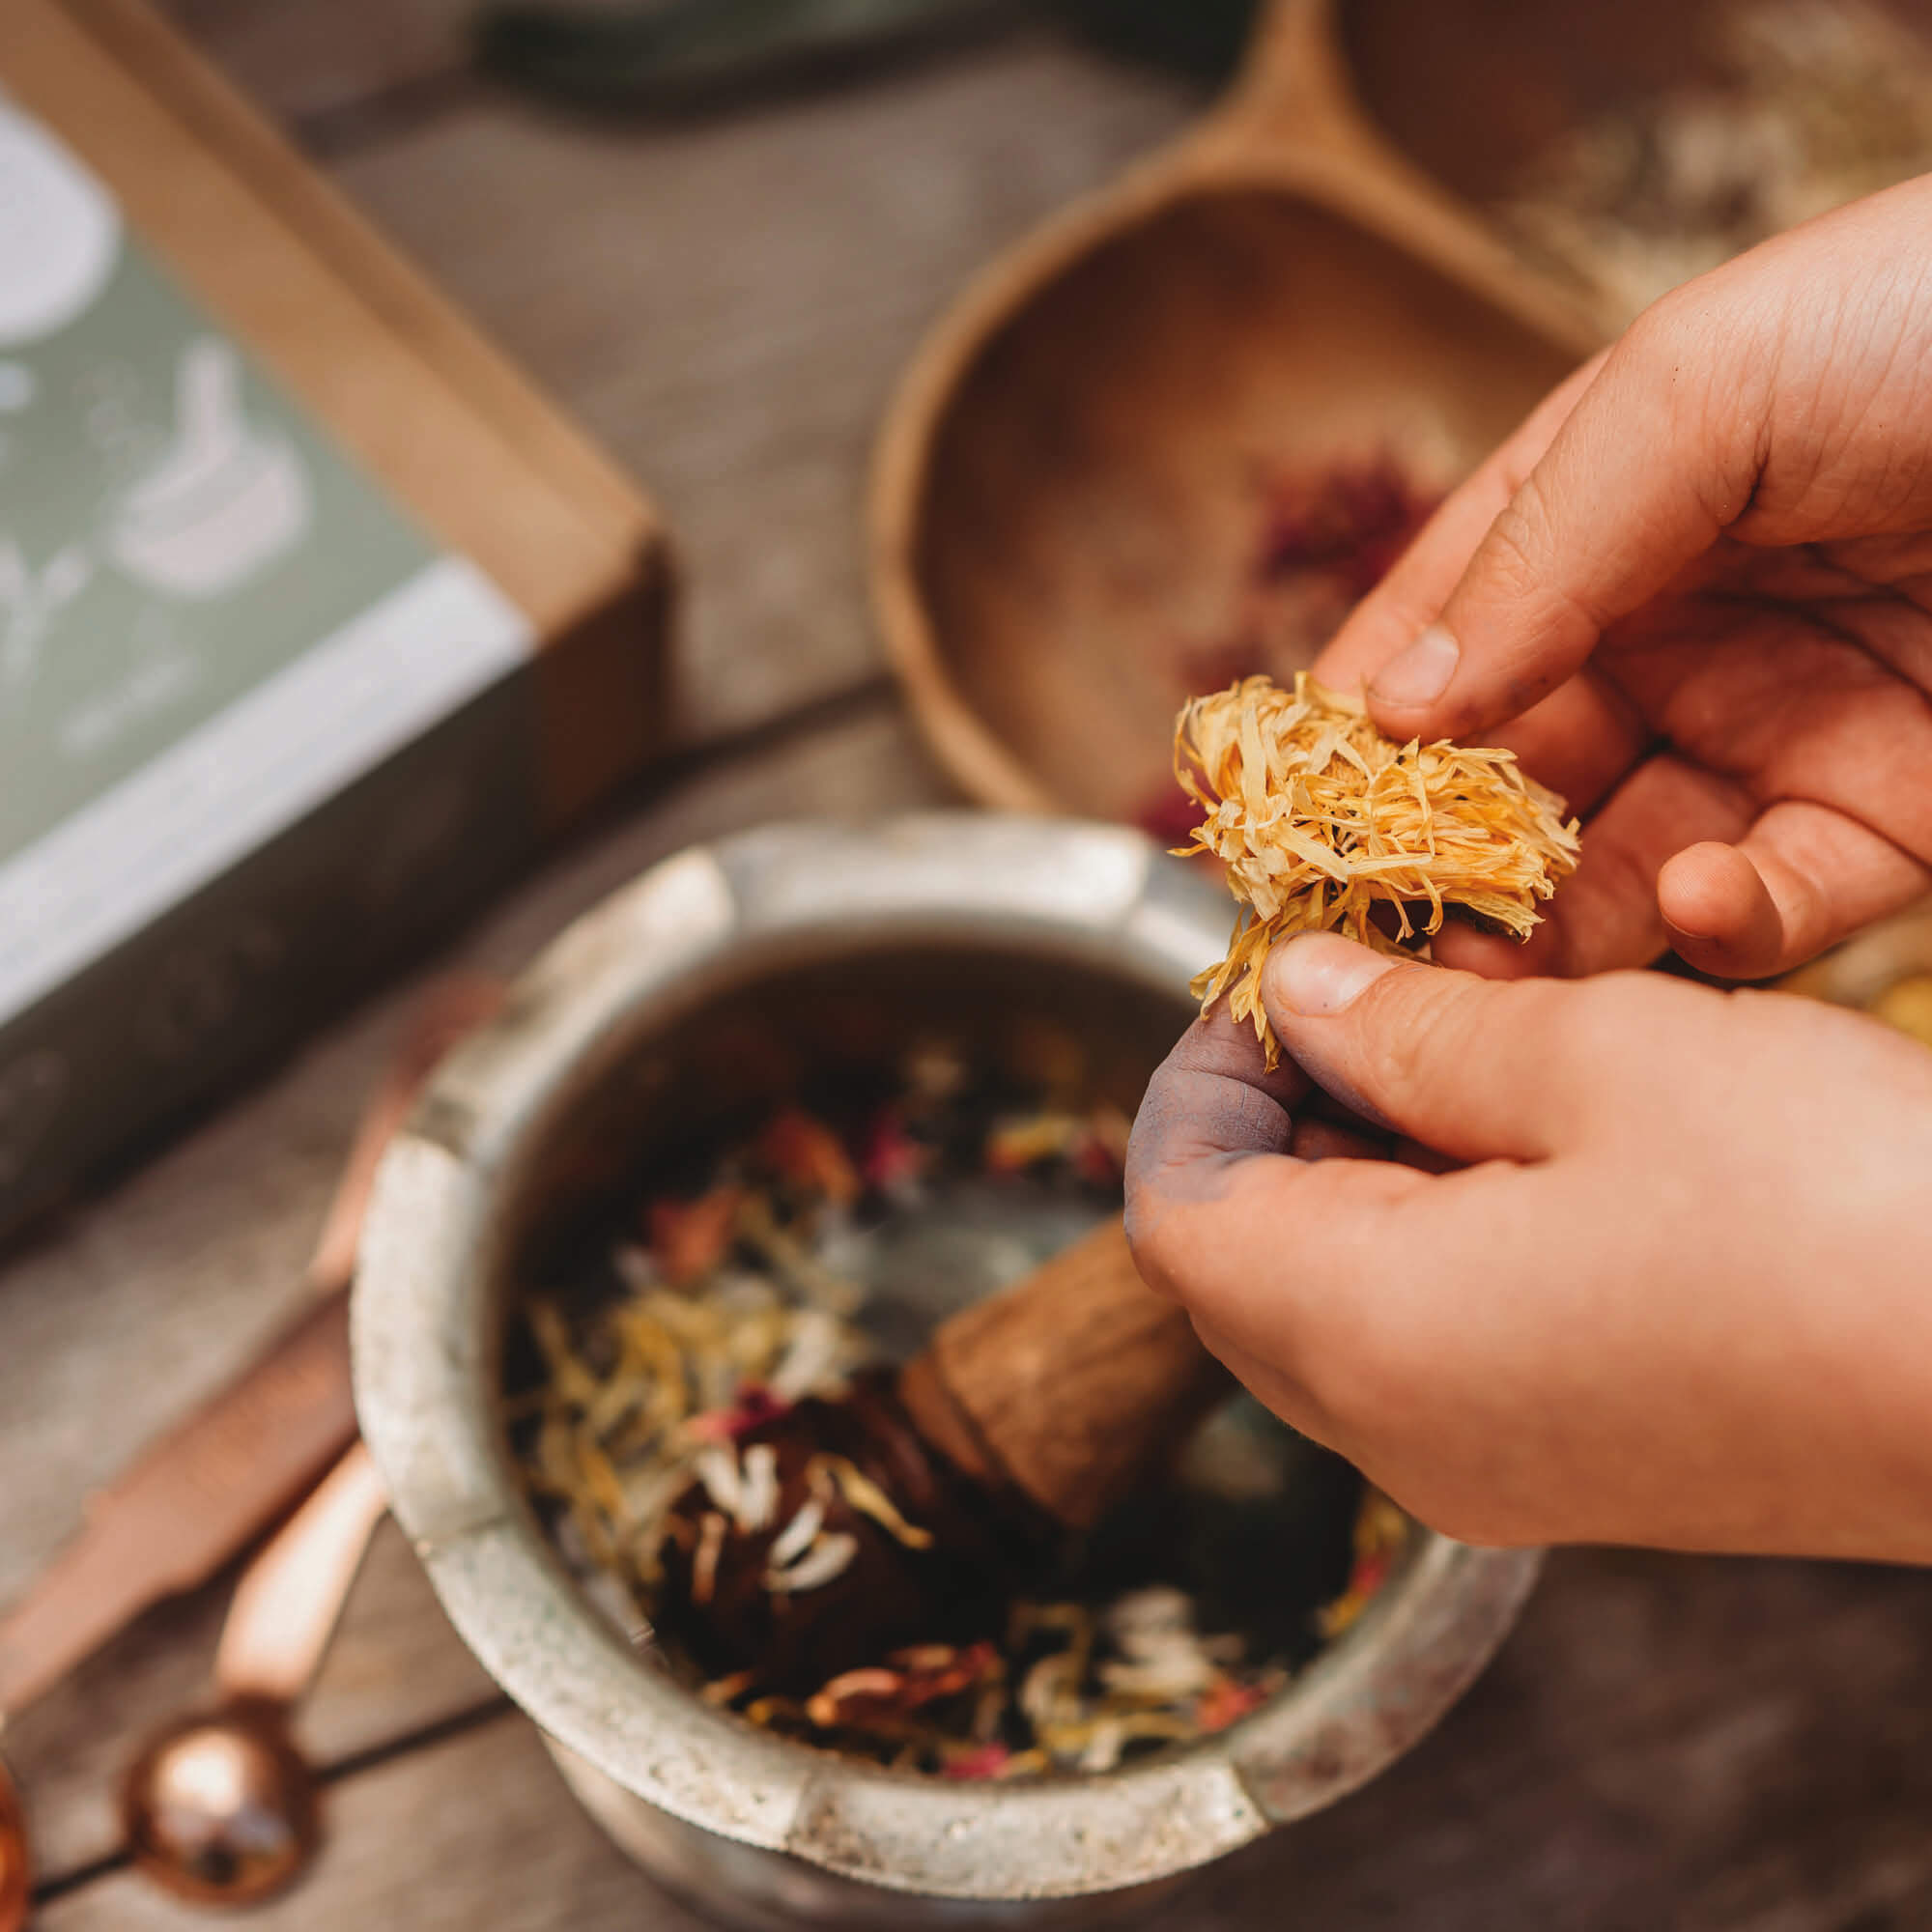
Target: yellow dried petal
[[1304, 798], [868, 1500]]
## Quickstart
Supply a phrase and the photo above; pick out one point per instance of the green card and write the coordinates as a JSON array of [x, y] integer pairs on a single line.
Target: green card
[[210, 620]]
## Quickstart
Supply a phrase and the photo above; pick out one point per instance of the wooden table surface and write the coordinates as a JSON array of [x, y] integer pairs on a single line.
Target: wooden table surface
[[724, 300]]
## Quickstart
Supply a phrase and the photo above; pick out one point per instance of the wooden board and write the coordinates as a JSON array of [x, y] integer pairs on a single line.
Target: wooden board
[[1665, 1744], [726, 304], [331, 64], [1706, 1746]]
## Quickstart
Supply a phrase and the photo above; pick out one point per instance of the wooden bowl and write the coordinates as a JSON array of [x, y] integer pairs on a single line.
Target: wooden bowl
[[1069, 488]]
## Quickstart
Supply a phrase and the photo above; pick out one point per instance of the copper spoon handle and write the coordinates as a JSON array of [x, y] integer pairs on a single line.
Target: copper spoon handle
[[285, 1606], [192, 1500]]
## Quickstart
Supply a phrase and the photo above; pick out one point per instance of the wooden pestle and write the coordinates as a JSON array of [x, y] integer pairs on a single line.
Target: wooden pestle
[[1067, 1387], [1027, 1415]]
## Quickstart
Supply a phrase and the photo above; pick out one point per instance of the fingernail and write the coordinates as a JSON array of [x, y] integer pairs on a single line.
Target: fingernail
[[1321, 974], [1421, 675]]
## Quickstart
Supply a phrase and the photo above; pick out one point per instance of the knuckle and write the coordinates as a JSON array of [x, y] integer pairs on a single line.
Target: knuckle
[[1532, 545], [1412, 1028], [1618, 1011], [1517, 548], [1579, 1023], [1658, 338]]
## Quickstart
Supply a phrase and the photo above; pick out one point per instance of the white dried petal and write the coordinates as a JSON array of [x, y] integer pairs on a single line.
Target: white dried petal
[[1155, 1609], [759, 1498], [716, 1467], [812, 1355], [1162, 1680], [1103, 1747], [637, 1266], [829, 1557], [1050, 1690], [613, 1603], [649, 1491], [704, 1565], [796, 1537]]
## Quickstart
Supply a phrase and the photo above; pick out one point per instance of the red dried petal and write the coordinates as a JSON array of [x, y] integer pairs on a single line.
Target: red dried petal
[[938, 1670], [847, 1697], [1350, 523], [807, 1152], [1369, 1574], [1227, 1702], [987, 1761], [754, 1406], [689, 1238], [892, 1157]]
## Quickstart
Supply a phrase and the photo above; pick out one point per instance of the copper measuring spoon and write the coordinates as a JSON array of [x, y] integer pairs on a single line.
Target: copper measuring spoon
[[17, 1884], [1065, 482], [189, 1502], [220, 1806]]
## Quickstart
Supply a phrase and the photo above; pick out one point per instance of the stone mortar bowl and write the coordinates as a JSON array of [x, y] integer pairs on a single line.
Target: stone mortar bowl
[[600, 1055]]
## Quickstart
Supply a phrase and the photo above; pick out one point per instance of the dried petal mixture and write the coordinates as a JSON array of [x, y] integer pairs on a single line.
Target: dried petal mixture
[[722, 1304], [1322, 824]]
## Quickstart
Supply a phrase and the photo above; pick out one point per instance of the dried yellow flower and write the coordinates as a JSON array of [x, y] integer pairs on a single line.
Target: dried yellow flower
[[1318, 819]]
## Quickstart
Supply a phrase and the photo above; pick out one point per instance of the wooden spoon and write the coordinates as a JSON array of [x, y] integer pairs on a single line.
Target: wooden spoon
[[1068, 1387], [1027, 1414], [1065, 490]]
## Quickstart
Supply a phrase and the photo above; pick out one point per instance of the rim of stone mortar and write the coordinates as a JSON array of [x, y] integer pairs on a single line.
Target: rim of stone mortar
[[426, 1335]]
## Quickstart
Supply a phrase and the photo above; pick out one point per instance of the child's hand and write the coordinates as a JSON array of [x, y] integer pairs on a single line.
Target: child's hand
[[1680, 1295], [1707, 563]]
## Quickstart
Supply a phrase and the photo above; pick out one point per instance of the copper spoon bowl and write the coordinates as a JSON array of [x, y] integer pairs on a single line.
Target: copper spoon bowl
[[220, 1806], [17, 1878]]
